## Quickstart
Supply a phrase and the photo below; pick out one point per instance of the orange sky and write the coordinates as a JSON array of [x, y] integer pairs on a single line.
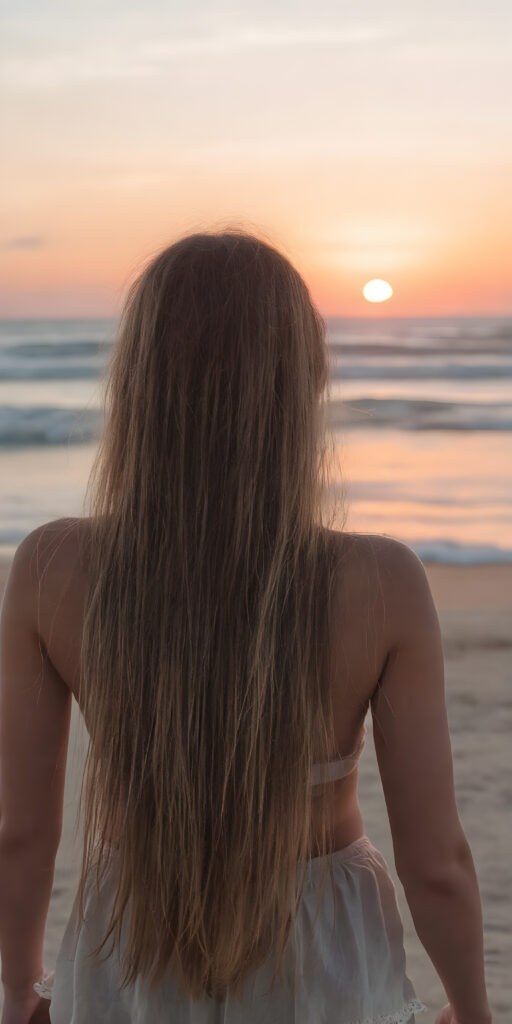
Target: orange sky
[[362, 147]]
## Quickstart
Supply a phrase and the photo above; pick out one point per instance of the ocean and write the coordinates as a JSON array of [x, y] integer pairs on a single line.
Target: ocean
[[420, 410]]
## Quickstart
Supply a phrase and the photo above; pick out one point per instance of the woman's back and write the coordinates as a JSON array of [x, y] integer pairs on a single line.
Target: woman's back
[[383, 620], [362, 898], [358, 644], [386, 655]]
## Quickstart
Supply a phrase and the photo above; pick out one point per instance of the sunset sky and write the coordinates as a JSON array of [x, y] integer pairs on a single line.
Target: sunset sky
[[364, 139]]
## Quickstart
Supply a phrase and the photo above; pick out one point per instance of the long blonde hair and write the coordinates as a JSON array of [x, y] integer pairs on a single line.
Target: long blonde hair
[[205, 642]]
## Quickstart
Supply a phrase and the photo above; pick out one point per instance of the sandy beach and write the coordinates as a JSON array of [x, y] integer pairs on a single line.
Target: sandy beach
[[475, 610]]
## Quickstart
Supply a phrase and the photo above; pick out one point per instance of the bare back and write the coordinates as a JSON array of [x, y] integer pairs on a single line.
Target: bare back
[[358, 646], [386, 653]]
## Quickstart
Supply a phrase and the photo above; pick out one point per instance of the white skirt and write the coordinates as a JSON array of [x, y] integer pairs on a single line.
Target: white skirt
[[348, 969]]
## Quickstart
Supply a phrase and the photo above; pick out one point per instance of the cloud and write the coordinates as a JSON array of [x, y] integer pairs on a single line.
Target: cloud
[[145, 59], [24, 242], [257, 38]]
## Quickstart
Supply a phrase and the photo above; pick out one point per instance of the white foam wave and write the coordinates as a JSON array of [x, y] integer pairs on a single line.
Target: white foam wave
[[20, 426]]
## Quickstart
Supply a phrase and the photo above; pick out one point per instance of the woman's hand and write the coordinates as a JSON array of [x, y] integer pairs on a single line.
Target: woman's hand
[[29, 1009], [448, 1016]]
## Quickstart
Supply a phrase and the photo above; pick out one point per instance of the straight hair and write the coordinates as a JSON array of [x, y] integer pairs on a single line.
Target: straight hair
[[205, 648]]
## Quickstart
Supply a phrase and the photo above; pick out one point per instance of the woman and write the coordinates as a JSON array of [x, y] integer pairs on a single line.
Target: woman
[[224, 646]]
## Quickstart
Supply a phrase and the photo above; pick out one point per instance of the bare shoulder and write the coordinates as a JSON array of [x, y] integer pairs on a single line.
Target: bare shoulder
[[379, 560], [48, 560], [407, 596], [386, 578], [387, 555], [56, 544]]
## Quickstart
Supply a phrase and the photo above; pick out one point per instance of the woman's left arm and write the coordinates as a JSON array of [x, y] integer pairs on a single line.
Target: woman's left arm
[[35, 710]]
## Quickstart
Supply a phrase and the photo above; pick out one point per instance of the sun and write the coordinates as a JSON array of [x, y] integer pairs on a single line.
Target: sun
[[377, 290]]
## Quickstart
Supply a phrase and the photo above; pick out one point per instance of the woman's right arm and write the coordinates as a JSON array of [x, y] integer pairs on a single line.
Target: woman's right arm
[[412, 743]]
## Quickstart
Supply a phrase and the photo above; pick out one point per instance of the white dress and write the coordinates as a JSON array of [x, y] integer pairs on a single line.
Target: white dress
[[348, 969]]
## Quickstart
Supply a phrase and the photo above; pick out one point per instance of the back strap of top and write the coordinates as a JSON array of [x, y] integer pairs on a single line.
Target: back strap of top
[[331, 771]]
